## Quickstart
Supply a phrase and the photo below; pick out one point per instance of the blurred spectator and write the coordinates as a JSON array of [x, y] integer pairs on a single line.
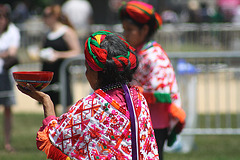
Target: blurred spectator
[[113, 6], [169, 16], [80, 14], [20, 12], [204, 12], [9, 44], [218, 15], [193, 14], [61, 43], [228, 8], [236, 15]]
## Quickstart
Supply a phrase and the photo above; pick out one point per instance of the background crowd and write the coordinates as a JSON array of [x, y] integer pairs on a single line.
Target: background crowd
[[105, 12]]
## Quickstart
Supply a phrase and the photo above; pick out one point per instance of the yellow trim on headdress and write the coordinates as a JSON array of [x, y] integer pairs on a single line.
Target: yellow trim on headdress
[[98, 38]]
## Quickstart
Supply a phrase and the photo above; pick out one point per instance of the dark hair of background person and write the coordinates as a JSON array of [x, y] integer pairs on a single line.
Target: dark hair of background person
[[57, 12], [110, 73], [151, 23], [5, 11]]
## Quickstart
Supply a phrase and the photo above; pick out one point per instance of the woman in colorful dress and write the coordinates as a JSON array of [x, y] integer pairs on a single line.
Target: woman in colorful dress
[[111, 123], [155, 74]]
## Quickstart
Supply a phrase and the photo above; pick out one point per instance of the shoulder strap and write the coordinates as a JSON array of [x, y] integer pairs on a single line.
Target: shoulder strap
[[134, 125]]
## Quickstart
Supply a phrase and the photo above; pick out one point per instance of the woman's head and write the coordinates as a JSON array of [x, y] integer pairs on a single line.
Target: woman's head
[[110, 57], [4, 17], [53, 14], [143, 17]]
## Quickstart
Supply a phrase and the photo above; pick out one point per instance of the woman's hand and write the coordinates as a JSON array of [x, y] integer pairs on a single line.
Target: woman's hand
[[40, 97], [32, 92]]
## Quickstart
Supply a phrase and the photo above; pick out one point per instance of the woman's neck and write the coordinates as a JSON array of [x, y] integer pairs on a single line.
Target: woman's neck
[[3, 29], [56, 26], [139, 47], [113, 86]]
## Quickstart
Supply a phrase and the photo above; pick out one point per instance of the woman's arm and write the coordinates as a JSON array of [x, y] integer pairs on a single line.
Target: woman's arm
[[12, 51], [41, 97]]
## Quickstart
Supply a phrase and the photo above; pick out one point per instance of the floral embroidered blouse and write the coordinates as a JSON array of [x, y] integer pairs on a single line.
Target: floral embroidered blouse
[[156, 77], [99, 127]]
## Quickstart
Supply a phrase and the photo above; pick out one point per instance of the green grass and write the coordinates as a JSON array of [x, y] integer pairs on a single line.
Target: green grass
[[27, 125], [211, 148], [24, 132]]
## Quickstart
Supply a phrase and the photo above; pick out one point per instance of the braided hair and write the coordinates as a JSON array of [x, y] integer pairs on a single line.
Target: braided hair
[[110, 55]]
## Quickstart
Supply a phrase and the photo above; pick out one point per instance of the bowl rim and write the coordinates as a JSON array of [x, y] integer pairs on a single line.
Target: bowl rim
[[32, 72]]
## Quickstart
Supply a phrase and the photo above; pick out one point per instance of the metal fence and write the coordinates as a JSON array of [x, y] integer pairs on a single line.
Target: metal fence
[[209, 93], [200, 37]]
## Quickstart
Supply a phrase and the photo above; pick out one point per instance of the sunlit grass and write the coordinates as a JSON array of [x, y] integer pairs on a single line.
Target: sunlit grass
[[211, 148]]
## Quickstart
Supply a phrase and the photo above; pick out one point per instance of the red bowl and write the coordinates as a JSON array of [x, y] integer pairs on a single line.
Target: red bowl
[[39, 79]]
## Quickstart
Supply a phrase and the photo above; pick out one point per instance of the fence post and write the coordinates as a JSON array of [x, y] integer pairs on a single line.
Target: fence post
[[63, 80]]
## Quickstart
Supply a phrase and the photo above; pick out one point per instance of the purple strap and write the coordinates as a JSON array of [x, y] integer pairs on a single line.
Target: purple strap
[[133, 122]]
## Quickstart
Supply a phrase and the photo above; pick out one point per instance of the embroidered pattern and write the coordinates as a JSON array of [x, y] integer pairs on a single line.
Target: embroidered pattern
[[156, 74], [157, 78], [97, 127]]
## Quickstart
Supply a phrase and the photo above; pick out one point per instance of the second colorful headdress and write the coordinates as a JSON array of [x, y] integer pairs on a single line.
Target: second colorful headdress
[[140, 12]]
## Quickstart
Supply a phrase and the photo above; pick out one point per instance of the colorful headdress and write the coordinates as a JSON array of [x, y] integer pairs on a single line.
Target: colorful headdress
[[140, 12], [96, 57]]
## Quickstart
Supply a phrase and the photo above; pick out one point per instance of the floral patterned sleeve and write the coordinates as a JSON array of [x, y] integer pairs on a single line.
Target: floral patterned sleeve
[[45, 124]]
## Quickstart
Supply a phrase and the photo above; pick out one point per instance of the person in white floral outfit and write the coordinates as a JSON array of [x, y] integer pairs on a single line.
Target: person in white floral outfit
[[155, 75]]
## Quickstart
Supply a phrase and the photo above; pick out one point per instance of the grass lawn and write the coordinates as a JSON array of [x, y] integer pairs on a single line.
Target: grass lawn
[[26, 126], [211, 148]]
